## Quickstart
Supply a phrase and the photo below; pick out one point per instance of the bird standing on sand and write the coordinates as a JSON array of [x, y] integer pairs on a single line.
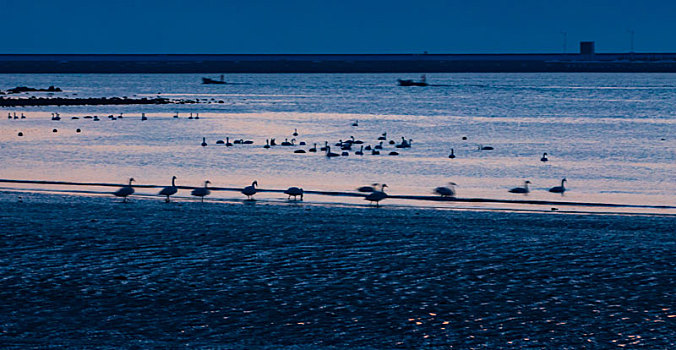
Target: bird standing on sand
[[446, 191], [559, 189], [294, 191], [169, 190], [250, 190], [377, 196], [523, 189], [125, 191], [201, 191]]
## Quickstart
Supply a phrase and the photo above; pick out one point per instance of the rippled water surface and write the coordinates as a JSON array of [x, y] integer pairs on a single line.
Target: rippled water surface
[[610, 135], [85, 272]]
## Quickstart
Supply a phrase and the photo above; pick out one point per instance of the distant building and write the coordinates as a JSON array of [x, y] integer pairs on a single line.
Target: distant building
[[587, 48]]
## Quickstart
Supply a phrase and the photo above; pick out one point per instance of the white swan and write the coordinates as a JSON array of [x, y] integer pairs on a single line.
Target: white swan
[[523, 189], [169, 190], [377, 196], [559, 189], [250, 190], [125, 191], [330, 154], [294, 191], [201, 191]]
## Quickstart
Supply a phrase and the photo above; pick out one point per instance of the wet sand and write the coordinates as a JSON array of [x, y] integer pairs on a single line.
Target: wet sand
[[82, 271]]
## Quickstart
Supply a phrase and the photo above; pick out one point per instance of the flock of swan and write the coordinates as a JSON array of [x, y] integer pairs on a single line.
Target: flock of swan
[[374, 196]]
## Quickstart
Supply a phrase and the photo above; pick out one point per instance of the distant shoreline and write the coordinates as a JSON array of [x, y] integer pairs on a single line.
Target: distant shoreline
[[337, 63]]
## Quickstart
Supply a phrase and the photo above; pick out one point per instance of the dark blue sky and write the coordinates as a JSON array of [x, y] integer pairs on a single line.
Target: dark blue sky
[[347, 26]]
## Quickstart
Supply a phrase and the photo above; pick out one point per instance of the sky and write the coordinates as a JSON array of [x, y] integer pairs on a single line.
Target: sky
[[347, 26]]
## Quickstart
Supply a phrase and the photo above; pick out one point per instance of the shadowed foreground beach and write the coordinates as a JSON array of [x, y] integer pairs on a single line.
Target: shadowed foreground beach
[[91, 272]]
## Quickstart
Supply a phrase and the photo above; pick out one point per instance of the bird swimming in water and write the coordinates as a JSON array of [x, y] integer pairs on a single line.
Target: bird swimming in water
[[125, 191], [452, 155], [250, 190], [201, 191], [294, 191], [544, 157], [559, 189], [204, 142], [523, 189], [368, 188], [169, 190], [377, 196]]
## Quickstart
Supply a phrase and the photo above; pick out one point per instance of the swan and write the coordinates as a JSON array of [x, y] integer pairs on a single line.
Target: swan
[[368, 147], [544, 157], [220, 142], [272, 142], [313, 149], [377, 196], [403, 144], [250, 190], [190, 117], [169, 190], [391, 142], [368, 188], [326, 145], [238, 142], [267, 144], [78, 130], [360, 152], [204, 142], [201, 191], [302, 143], [227, 142], [125, 191], [20, 134], [247, 142], [345, 153], [9, 115], [329, 153], [143, 116], [356, 142], [356, 123], [523, 189], [375, 152], [176, 115], [294, 191], [393, 153], [379, 146], [299, 151], [446, 191], [559, 189], [286, 143], [197, 116], [23, 116], [452, 155], [295, 132], [383, 137], [485, 148]]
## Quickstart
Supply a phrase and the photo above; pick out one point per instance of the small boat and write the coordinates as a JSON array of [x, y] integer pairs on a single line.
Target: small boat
[[214, 81], [408, 82]]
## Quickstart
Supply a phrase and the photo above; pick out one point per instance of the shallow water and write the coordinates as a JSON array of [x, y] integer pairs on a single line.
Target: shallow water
[[603, 132], [190, 275]]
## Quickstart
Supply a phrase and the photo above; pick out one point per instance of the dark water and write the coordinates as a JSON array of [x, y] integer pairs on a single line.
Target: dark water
[[87, 272]]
